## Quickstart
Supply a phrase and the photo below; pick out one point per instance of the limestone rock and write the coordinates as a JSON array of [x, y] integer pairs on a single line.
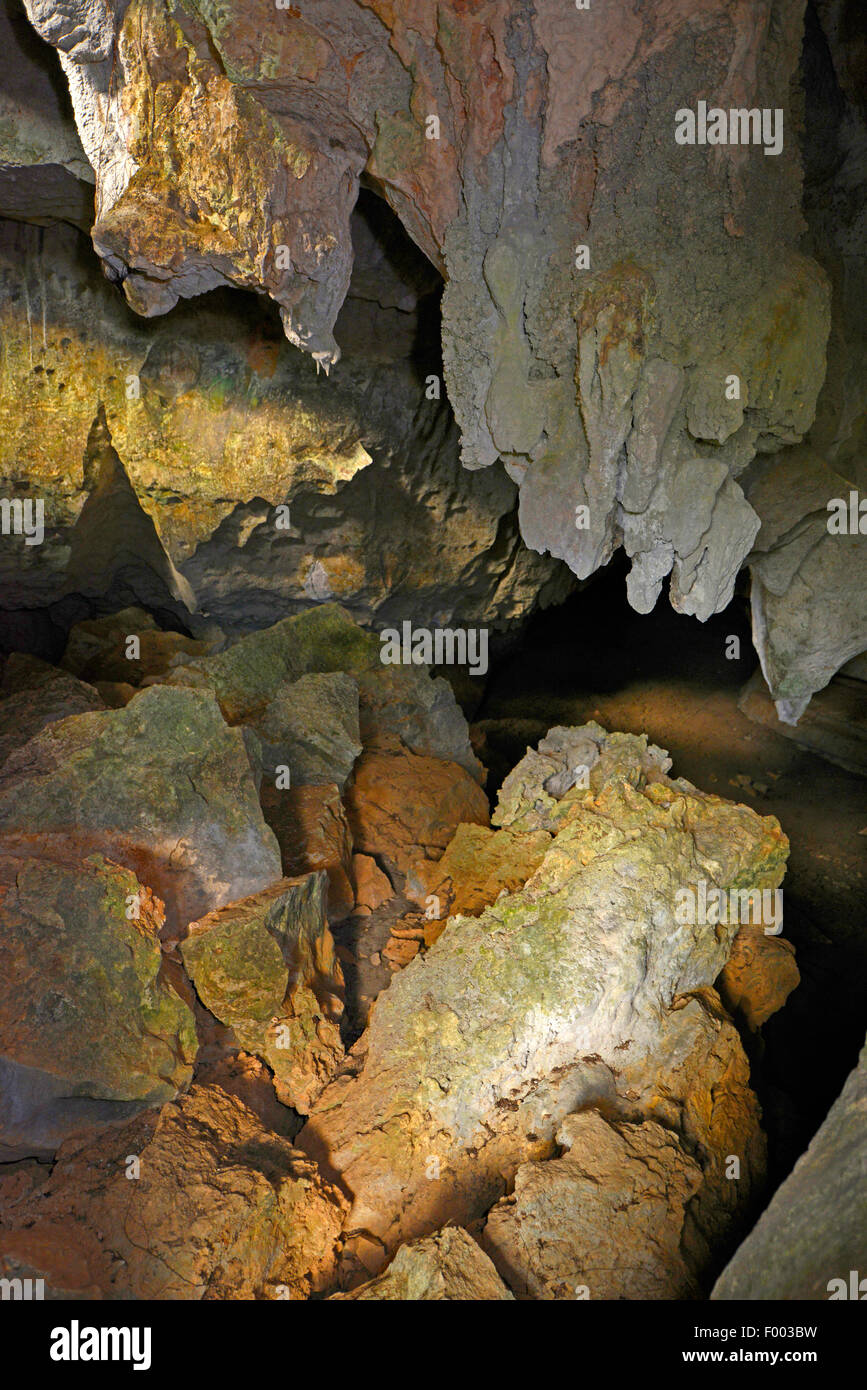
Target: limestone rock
[[808, 600], [603, 1221], [220, 424], [403, 702], [603, 383], [698, 1087], [30, 709], [221, 1208], [520, 1016], [479, 864], [162, 786], [311, 727], [313, 833], [255, 670], [404, 808], [372, 888], [97, 648], [759, 975], [91, 1029], [44, 172], [446, 1267], [266, 967], [813, 1232]]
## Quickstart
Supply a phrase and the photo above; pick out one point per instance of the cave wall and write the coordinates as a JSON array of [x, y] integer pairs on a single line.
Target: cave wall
[[632, 325]]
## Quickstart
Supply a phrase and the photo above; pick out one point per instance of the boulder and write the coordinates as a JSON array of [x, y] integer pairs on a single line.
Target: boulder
[[478, 865], [196, 1201], [313, 833], [27, 710], [97, 649], [162, 786], [265, 966], [759, 975], [310, 726], [403, 702], [255, 669], [811, 1242], [404, 808], [372, 887], [520, 1016], [603, 1221], [91, 1027], [446, 1267]]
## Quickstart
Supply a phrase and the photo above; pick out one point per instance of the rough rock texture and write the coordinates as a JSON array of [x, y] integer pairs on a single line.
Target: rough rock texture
[[759, 975], [699, 1088], [98, 648], [808, 597], [815, 1229], [265, 966], [403, 702], [809, 602], [603, 1221], [311, 727], [162, 786], [221, 1208], [404, 808], [228, 144], [44, 172], [25, 710], [90, 1029], [256, 669], [446, 1267], [220, 423], [313, 833], [516, 1018], [479, 864], [372, 887]]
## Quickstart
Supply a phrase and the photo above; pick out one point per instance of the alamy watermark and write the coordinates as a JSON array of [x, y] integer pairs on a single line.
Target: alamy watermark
[[440, 646], [708, 905], [737, 126], [23, 516]]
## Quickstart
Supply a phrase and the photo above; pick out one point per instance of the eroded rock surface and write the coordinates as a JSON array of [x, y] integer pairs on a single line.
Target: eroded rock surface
[[90, 1030], [812, 1236], [517, 1017], [626, 354], [603, 1221], [266, 967], [446, 1267], [218, 1207], [161, 785]]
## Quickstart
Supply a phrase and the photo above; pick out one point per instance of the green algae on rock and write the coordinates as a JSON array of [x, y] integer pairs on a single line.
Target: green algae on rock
[[517, 1017], [161, 785], [266, 967], [87, 1017]]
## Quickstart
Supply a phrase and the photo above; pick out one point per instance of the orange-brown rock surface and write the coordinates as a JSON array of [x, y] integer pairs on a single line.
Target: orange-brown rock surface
[[759, 975], [404, 808], [197, 1200]]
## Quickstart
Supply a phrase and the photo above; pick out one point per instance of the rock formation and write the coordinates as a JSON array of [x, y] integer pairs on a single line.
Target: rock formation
[[544, 1002], [814, 1233], [321, 321], [632, 361]]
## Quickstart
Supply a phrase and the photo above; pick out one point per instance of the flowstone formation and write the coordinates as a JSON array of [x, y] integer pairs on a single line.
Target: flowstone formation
[[227, 1117], [614, 200]]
